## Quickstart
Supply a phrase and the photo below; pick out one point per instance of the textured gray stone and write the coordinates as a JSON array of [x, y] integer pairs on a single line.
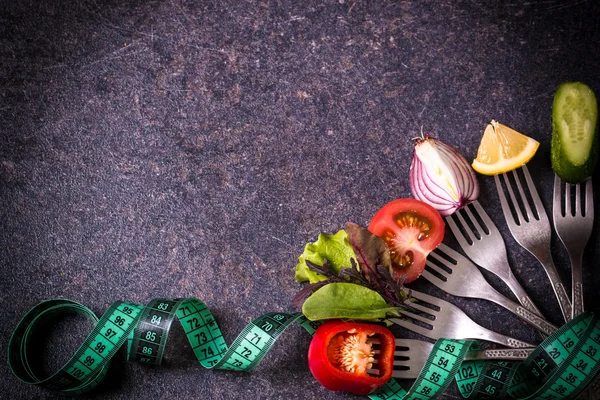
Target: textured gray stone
[[172, 149]]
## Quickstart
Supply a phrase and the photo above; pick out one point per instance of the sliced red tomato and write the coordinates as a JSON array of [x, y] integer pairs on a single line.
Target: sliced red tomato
[[411, 229]]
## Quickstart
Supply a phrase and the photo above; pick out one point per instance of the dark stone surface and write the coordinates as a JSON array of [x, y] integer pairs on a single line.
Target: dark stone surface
[[178, 148]]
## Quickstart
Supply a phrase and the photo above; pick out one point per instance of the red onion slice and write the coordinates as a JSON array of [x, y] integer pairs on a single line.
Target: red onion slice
[[441, 176]]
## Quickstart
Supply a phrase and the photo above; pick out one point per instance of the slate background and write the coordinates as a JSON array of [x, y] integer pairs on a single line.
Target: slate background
[[191, 148]]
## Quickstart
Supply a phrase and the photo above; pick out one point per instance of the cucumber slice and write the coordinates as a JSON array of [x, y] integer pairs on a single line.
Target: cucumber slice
[[574, 146]]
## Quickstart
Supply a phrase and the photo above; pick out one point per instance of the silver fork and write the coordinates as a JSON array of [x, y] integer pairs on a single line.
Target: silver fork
[[457, 275], [485, 246], [448, 321], [574, 228], [531, 229], [411, 356]]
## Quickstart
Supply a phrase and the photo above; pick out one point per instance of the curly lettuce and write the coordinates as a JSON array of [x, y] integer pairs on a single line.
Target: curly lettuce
[[336, 249]]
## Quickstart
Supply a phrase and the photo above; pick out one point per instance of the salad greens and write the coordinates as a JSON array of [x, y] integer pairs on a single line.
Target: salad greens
[[358, 284], [346, 300], [335, 249]]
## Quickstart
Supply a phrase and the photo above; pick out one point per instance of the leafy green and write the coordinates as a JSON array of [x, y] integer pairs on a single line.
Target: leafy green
[[336, 249], [371, 250], [346, 300], [367, 292]]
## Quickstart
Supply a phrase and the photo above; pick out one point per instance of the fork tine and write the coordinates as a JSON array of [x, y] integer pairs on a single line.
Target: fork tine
[[437, 255], [589, 199], [407, 372], [475, 222], [426, 298], [557, 208], [528, 215], [489, 224], [439, 260], [568, 207], [472, 236], [436, 268], [448, 252], [433, 278], [411, 326], [464, 240], [416, 345], [510, 219], [520, 218], [416, 317], [540, 211]]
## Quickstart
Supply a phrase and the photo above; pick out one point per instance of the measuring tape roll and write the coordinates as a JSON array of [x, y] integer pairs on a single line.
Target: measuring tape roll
[[561, 367], [147, 329], [89, 365]]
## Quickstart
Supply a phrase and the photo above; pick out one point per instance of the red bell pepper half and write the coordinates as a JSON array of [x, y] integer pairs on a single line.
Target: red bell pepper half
[[340, 354]]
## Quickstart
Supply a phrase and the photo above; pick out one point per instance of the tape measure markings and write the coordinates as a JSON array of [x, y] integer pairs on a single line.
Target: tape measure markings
[[390, 391], [89, 363], [466, 375], [547, 365], [203, 333], [261, 334], [495, 376], [561, 367], [443, 362], [586, 364], [148, 340], [97, 349]]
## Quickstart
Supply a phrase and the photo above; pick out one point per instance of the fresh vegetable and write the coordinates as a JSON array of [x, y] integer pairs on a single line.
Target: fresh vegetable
[[574, 146], [371, 251], [366, 290], [336, 249], [503, 149], [346, 300], [411, 229], [340, 354], [441, 176]]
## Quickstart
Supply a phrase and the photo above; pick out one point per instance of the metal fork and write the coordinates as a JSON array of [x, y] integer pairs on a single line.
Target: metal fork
[[574, 228], [457, 275], [411, 356], [531, 229], [448, 321], [485, 246]]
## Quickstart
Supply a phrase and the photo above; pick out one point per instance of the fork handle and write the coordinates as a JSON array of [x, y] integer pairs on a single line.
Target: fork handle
[[522, 296], [499, 354], [577, 295], [525, 314], [557, 285], [489, 335], [533, 319]]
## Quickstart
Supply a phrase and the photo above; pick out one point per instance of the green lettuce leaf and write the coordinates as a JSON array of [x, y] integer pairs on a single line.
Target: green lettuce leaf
[[335, 248], [346, 301]]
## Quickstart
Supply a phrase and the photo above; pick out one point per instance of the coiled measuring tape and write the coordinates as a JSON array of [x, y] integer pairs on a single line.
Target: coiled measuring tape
[[561, 367], [146, 330]]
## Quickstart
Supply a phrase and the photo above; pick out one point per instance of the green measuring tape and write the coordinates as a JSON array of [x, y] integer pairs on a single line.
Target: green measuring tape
[[561, 367], [146, 330]]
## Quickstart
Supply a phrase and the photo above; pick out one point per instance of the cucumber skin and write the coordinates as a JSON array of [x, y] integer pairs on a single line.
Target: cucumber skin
[[561, 166], [567, 171]]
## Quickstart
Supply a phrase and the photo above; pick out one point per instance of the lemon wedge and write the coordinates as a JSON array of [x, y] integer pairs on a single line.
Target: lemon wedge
[[503, 149]]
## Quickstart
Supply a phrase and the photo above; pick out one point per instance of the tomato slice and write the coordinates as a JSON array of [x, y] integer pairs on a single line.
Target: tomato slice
[[411, 229]]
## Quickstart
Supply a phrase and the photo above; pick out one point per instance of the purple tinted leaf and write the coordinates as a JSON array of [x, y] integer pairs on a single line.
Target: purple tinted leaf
[[305, 293], [370, 250]]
